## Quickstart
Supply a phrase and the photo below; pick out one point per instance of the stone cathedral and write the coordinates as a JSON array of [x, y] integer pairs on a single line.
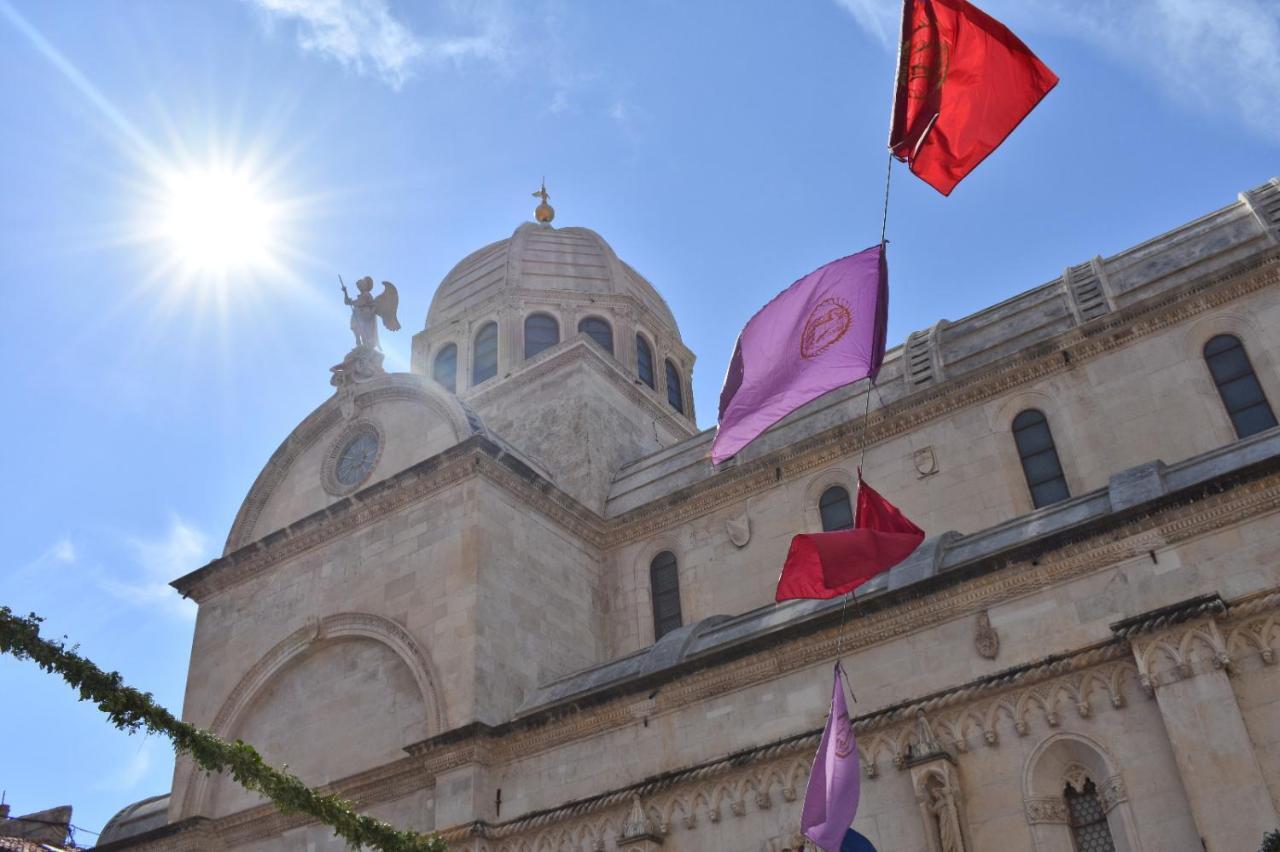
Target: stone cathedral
[[506, 597]]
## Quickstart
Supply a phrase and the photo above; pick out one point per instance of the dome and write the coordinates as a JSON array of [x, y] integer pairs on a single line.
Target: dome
[[539, 257], [135, 819]]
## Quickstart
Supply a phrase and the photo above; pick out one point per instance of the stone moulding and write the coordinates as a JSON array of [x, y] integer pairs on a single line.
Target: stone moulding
[[338, 626], [1042, 360], [320, 421], [1041, 695], [727, 487]]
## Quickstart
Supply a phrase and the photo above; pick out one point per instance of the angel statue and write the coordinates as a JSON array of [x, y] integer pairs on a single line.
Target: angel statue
[[364, 363], [365, 310]]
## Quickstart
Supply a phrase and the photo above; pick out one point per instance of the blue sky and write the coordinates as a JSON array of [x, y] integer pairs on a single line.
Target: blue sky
[[722, 148]]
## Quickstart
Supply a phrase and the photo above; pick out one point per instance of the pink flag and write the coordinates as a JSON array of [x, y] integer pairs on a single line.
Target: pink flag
[[831, 799], [825, 331]]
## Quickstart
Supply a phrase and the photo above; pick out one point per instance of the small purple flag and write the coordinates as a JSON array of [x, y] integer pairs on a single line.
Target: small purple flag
[[825, 331], [831, 799]]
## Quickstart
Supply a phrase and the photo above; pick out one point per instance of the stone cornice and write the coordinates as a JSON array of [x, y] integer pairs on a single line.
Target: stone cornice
[[476, 456], [731, 485], [1060, 354], [956, 594], [1037, 692]]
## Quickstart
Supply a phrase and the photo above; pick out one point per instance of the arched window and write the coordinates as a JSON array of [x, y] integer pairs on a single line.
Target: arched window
[[1088, 820], [675, 392], [445, 368], [599, 331], [644, 361], [1246, 404], [541, 331], [484, 359], [1039, 458], [664, 583], [835, 508]]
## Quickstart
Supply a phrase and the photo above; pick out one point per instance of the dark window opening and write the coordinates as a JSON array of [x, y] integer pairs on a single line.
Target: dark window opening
[[1039, 458], [540, 332], [675, 392], [664, 581], [484, 362], [644, 361], [835, 508], [1238, 386], [599, 331], [1088, 820], [445, 368]]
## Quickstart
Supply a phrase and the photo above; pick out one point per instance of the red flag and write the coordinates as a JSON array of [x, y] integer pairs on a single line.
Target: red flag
[[823, 565], [964, 83]]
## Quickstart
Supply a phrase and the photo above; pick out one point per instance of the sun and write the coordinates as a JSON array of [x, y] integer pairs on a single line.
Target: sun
[[217, 221]]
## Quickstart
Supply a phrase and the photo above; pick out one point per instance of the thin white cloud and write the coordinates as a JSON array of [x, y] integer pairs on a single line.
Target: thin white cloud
[[1216, 57], [877, 17], [128, 775], [366, 37], [181, 549], [63, 551]]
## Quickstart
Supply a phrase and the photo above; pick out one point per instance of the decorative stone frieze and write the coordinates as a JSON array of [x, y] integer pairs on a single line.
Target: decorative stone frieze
[[1051, 810]]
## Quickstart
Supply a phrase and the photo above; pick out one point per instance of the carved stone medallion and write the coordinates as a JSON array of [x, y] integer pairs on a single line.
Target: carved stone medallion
[[925, 461], [739, 529]]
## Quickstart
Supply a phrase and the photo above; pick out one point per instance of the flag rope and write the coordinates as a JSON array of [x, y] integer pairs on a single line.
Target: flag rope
[[866, 414], [884, 221]]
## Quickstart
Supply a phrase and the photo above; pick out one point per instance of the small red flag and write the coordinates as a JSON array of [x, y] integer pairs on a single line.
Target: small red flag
[[964, 83], [823, 565]]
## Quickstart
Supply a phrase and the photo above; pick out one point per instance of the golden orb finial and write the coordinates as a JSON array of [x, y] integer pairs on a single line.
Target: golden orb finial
[[544, 212]]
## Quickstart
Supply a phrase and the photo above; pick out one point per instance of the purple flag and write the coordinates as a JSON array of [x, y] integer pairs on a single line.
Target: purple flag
[[831, 799], [824, 331]]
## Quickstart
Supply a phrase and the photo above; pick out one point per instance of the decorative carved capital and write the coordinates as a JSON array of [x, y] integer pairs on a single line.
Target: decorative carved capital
[[1111, 793], [1051, 809]]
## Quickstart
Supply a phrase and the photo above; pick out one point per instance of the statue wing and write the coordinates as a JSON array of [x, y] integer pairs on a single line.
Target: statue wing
[[386, 304]]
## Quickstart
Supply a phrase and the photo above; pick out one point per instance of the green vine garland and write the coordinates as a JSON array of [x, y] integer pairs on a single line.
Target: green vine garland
[[131, 710]]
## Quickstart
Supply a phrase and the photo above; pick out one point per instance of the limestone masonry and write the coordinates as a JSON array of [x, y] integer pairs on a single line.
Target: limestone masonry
[[506, 597]]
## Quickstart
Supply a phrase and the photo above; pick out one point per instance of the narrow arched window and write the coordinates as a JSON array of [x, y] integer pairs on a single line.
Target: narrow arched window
[[644, 361], [484, 359], [1238, 386], [675, 392], [445, 368], [835, 508], [1039, 459], [664, 583], [598, 330], [1088, 820], [541, 331]]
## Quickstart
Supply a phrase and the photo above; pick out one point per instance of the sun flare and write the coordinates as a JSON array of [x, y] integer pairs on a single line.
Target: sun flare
[[217, 221]]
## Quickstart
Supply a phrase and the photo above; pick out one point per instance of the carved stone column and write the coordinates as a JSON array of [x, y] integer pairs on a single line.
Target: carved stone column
[[1182, 660]]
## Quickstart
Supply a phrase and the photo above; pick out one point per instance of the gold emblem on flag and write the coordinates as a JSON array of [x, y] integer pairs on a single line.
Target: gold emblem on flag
[[928, 59], [827, 323], [844, 738]]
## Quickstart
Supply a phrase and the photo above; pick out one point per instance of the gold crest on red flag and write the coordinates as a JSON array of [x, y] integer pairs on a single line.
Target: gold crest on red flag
[[964, 83]]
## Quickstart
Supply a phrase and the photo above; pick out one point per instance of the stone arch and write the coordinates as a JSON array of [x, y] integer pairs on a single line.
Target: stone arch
[[1246, 329], [319, 423], [840, 475], [643, 589], [1067, 757], [334, 627], [1000, 416]]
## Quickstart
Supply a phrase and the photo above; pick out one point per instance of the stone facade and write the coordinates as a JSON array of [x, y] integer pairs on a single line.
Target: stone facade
[[463, 639]]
